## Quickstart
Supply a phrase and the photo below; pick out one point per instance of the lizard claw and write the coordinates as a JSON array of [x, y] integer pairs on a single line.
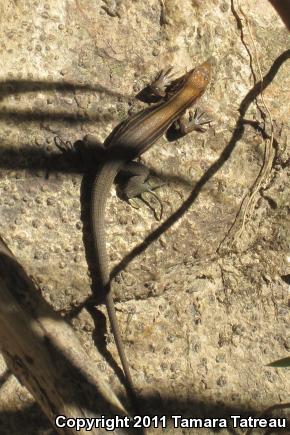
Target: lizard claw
[[162, 81], [133, 203], [151, 192], [193, 121], [199, 117], [63, 146]]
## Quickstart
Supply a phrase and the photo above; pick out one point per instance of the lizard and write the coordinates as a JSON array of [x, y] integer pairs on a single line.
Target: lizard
[[129, 140]]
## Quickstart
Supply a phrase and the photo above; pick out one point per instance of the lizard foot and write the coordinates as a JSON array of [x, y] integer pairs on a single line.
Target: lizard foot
[[162, 81], [193, 121]]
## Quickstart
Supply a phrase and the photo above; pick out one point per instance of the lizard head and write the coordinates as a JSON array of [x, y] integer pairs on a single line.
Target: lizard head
[[199, 77]]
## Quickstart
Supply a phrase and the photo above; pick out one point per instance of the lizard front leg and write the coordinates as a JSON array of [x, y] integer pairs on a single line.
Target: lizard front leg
[[193, 122]]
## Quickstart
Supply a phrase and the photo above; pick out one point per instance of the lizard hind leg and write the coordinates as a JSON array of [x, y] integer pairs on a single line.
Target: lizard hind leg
[[137, 184]]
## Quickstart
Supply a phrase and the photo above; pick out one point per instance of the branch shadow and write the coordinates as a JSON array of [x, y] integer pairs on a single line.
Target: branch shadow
[[214, 168], [16, 87], [33, 158]]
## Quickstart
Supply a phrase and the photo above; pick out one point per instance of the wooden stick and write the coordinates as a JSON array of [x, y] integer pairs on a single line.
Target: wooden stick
[[42, 351]]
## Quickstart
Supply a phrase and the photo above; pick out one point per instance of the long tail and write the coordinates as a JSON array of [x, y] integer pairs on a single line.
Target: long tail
[[100, 193]]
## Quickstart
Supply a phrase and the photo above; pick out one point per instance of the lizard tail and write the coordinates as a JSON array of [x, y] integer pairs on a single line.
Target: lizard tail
[[100, 193]]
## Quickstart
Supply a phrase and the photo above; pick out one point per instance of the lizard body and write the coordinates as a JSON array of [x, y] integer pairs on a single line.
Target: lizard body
[[128, 141]]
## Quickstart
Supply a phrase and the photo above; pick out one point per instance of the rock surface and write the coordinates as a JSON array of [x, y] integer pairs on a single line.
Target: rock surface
[[205, 306]]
